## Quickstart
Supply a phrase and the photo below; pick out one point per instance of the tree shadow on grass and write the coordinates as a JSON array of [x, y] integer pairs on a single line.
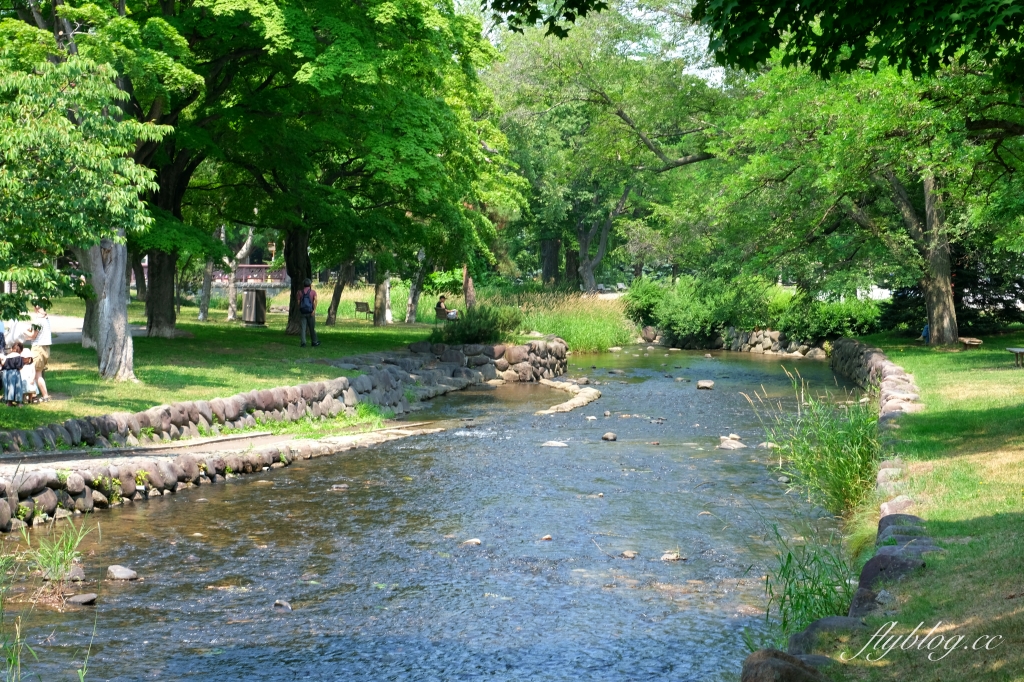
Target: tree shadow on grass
[[938, 434]]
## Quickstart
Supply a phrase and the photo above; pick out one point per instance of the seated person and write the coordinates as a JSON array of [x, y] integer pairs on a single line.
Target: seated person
[[11, 369], [443, 311]]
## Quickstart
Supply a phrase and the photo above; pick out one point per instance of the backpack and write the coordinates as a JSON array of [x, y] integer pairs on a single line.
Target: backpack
[[306, 302]]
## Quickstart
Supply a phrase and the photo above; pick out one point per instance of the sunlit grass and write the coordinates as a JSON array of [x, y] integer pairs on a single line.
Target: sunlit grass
[[212, 359]]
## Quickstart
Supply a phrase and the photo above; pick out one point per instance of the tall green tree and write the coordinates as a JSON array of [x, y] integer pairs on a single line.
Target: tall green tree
[[67, 181]]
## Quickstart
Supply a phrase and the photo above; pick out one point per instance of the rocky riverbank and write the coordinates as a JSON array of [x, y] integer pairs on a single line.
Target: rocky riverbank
[[33, 492], [901, 539]]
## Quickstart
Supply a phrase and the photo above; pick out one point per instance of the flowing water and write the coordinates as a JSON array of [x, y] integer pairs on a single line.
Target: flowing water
[[382, 587]]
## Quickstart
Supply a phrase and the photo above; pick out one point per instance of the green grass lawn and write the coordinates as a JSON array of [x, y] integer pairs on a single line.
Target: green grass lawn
[[213, 359], [966, 458]]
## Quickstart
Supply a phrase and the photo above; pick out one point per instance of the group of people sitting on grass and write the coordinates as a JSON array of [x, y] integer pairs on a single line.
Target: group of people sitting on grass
[[22, 370]]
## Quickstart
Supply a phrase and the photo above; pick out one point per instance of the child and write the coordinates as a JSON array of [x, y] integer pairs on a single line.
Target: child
[[14, 389]]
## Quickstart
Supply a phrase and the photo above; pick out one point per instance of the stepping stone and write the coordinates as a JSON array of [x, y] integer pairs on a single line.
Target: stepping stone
[[87, 599]]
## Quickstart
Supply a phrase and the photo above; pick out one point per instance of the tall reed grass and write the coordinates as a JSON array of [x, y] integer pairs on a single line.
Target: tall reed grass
[[586, 322], [830, 449], [809, 580]]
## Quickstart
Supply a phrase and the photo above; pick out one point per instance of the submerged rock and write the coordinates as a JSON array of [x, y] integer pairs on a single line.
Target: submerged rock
[[282, 605], [472, 542], [554, 444], [628, 554], [705, 384]]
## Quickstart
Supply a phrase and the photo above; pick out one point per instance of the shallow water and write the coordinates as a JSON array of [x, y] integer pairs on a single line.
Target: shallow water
[[383, 589]]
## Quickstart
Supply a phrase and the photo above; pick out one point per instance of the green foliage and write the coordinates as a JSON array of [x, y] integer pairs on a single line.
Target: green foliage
[[65, 180], [642, 300], [832, 36], [698, 308], [812, 320], [810, 579], [56, 553], [448, 282], [830, 450], [141, 478], [481, 324]]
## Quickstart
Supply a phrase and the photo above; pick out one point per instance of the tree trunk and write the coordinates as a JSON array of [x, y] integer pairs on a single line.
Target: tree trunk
[[599, 230], [931, 240], [549, 252], [160, 317], [232, 265], [140, 277], [938, 292], [468, 292], [296, 261], [91, 322], [572, 266], [107, 265], [344, 275], [675, 273], [638, 270], [380, 300], [416, 288], [389, 317], [204, 297]]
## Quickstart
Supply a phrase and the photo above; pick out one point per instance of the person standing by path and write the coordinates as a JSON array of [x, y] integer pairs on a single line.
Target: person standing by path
[[41, 337], [13, 386], [307, 313]]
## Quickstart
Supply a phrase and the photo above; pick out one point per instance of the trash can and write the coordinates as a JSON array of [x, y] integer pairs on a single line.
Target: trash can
[[254, 308]]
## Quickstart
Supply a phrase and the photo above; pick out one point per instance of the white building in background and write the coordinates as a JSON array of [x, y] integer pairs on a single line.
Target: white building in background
[[875, 293]]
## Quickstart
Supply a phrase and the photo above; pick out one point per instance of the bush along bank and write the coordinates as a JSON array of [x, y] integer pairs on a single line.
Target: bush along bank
[[32, 494], [901, 540]]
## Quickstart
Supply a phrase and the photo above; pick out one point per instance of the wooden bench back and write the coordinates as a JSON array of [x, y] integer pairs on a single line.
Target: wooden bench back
[[362, 307]]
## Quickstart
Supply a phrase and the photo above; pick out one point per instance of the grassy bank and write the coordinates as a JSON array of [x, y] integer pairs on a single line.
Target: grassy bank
[[966, 460], [210, 360]]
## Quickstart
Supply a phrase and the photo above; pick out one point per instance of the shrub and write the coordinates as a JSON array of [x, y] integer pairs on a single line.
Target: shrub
[[816, 320], [642, 299], [481, 324], [700, 308]]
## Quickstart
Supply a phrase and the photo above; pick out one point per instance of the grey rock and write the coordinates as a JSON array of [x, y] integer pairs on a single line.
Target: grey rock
[[705, 384], [772, 665], [881, 568], [899, 520], [609, 436], [863, 603], [100, 500], [897, 505], [117, 572], [86, 599], [803, 642], [282, 605], [76, 574]]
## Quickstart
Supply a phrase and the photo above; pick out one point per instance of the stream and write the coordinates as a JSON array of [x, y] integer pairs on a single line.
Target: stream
[[382, 587]]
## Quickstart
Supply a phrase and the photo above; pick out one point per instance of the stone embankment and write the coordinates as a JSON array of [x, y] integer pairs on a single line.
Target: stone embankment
[[870, 369], [759, 341], [33, 493], [901, 541], [390, 380]]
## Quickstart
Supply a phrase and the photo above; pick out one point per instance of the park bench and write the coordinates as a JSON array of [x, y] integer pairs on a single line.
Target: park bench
[[441, 316], [1018, 356], [970, 342], [363, 307]]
